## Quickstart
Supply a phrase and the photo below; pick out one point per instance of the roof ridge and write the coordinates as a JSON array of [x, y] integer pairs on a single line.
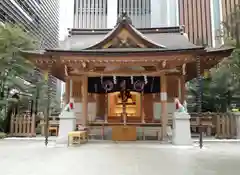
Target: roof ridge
[[174, 29]]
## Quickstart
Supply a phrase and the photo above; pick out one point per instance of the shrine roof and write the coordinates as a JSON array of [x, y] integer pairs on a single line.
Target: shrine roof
[[125, 35], [170, 38], [126, 42], [124, 38]]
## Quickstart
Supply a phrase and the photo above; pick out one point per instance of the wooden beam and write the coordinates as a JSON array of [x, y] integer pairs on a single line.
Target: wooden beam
[[120, 58], [123, 73], [85, 100]]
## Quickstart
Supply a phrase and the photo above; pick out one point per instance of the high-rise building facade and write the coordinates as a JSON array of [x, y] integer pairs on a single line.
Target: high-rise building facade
[[164, 13], [95, 14], [38, 17], [195, 15], [203, 19]]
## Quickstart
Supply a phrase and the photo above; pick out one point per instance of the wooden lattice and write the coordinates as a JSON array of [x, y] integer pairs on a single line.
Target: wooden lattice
[[23, 125]]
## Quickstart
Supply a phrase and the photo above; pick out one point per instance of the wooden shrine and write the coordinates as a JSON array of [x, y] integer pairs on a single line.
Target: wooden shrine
[[126, 77]]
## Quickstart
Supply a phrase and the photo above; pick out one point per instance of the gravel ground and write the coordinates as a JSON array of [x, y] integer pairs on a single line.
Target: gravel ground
[[135, 158]]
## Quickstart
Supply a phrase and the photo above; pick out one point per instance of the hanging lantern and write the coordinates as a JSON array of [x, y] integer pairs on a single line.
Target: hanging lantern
[[107, 85], [138, 86], [206, 73]]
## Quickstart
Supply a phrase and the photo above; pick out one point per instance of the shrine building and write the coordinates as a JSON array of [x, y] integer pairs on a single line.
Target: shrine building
[[126, 77]]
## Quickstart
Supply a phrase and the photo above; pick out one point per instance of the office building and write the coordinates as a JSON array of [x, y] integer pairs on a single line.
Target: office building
[[195, 15], [203, 19], [95, 14], [38, 17]]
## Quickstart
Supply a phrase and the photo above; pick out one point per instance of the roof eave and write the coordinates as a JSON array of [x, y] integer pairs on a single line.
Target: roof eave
[[224, 52], [197, 50]]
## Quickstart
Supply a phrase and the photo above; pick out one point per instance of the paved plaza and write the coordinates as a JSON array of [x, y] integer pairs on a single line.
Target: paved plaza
[[109, 158]]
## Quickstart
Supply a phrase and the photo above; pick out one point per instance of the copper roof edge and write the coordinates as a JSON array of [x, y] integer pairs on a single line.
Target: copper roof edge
[[123, 50], [174, 29]]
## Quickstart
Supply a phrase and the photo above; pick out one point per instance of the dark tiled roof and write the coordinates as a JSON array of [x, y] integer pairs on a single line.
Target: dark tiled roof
[[171, 39]]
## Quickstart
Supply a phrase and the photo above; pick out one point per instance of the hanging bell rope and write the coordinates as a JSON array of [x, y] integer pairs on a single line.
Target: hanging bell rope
[[145, 79], [114, 79], [132, 80]]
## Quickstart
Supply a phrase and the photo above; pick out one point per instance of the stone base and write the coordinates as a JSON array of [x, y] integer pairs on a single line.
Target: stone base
[[67, 124], [181, 129]]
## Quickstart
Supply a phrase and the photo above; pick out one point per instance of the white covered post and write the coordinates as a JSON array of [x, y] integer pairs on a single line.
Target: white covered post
[[67, 122], [181, 129]]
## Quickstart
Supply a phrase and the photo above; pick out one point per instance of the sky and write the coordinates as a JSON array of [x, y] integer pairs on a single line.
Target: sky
[[66, 17]]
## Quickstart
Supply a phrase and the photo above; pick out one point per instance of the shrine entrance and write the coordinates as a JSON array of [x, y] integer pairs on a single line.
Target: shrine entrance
[[124, 97], [119, 107]]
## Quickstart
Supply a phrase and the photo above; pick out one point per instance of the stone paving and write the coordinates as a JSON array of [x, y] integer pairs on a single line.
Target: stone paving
[[110, 158]]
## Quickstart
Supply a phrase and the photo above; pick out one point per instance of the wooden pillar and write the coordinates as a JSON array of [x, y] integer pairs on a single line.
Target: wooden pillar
[[98, 105], [183, 89], [71, 88], [164, 115], [67, 91], [142, 107], [84, 100]]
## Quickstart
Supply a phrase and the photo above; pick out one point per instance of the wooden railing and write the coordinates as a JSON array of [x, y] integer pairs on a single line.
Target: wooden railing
[[226, 126], [22, 125], [220, 125]]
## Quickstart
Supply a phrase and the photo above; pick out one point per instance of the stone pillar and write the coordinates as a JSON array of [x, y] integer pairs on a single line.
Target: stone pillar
[[67, 123], [164, 115], [84, 100], [181, 129]]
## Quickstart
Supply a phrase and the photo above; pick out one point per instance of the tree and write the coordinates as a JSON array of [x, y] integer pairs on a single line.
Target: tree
[[223, 87], [13, 39]]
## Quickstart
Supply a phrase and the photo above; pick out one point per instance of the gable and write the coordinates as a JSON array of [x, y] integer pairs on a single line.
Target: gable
[[124, 39], [124, 35]]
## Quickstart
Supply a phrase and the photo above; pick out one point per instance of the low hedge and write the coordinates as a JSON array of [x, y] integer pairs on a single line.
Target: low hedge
[[2, 135]]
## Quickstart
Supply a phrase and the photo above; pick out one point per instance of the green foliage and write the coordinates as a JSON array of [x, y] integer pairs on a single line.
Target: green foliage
[[13, 39], [2, 135], [14, 68], [223, 89], [13, 65]]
